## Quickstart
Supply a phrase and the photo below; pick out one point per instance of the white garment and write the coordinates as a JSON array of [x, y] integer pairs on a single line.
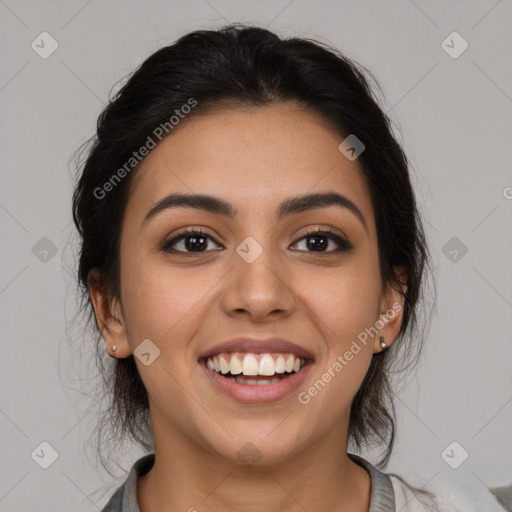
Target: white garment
[[451, 498]]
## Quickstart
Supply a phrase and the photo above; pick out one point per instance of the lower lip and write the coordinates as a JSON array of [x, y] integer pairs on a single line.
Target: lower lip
[[257, 394]]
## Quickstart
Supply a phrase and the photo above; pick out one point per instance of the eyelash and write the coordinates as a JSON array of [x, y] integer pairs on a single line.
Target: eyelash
[[344, 245]]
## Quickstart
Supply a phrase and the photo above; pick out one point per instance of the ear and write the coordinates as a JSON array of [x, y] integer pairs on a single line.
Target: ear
[[391, 309], [108, 315]]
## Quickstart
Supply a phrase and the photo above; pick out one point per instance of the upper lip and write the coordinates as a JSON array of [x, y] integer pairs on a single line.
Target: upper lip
[[257, 346]]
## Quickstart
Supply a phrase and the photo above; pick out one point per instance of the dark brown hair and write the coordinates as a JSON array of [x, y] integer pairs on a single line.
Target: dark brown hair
[[251, 66]]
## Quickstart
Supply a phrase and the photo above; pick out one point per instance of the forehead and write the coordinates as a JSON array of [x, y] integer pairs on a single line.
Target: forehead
[[252, 157]]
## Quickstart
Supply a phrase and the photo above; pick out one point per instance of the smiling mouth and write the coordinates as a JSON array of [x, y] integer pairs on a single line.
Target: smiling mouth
[[255, 369]]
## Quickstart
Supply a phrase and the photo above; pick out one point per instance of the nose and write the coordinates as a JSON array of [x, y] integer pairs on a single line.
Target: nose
[[260, 289]]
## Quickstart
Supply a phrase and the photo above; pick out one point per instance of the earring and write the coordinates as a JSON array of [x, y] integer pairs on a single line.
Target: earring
[[114, 348], [382, 343]]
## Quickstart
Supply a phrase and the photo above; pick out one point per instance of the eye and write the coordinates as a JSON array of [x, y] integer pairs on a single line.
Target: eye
[[192, 240], [321, 239], [196, 241]]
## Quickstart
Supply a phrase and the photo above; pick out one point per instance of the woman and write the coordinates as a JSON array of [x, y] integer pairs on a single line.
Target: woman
[[254, 256]]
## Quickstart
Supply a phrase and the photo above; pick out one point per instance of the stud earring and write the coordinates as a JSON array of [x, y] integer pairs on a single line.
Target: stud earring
[[382, 343], [114, 348]]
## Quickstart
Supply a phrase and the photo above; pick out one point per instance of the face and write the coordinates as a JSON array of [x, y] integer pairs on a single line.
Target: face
[[259, 273]]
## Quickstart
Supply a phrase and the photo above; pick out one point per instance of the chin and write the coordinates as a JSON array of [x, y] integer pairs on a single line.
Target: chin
[[257, 446]]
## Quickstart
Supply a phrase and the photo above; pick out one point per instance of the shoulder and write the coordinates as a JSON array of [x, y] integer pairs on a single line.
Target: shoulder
[[115, 503], [443, 497], [125, 497]]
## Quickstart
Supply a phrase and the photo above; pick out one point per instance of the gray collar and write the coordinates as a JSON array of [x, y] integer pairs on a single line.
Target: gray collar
[[382, 498]]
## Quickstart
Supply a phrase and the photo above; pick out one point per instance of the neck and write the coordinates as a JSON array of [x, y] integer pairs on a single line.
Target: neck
[[185, 476]]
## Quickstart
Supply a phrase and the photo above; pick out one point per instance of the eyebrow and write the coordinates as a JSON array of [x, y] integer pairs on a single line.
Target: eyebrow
[[219, 206]]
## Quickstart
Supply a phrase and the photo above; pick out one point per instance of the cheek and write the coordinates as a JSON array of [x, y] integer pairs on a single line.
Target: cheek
[[346, 303], [161, 304]]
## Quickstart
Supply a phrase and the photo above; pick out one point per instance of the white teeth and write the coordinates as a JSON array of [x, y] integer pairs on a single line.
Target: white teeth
[[280, 365], [254, 364], [224, 366], [271, 381], [267, 365], [235, 366], [250, 365], [254, 382]]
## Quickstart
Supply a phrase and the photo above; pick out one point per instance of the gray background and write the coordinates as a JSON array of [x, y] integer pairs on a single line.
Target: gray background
[[455, 120]]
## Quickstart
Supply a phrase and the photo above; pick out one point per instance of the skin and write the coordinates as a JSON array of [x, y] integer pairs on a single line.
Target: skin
[[186, 302]]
